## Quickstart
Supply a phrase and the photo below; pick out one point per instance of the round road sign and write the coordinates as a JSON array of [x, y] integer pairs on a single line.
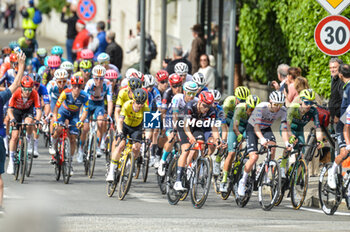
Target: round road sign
[[86, 9], [332, 35]]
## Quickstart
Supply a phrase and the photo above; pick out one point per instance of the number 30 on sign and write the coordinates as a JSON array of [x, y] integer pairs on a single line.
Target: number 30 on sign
[[332, 35]]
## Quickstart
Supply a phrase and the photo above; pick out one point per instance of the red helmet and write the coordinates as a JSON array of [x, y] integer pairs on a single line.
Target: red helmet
[[138, 75], [27, 82], [111, 74], [77, 80], [206, 97], [13, 58], [175, 79], [86, 54], [162, 75], [54, 61]]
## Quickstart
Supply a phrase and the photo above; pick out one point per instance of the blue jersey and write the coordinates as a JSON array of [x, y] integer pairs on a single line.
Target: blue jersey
[[346, 98], [70, 104], [204, 89], [90, 89], [53, 90], [42, 91], [37, 63], [8, 78], [154, 98], [220, 114]]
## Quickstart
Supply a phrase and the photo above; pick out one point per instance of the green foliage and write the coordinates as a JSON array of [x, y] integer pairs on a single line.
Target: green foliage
[[45, 6], [275, 32]]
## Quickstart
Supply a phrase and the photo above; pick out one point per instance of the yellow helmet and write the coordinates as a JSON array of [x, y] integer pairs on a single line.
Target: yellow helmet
[[307, 94], [252, 101], [242, 92]]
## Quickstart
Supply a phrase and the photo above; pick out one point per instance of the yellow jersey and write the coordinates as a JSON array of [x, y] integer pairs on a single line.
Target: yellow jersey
[[123, 96], [132, 118]]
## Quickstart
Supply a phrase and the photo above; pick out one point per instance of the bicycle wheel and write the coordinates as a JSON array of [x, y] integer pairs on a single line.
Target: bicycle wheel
[[329, 198], [111, 186], [284, 186], [299, 184], [30, 161], [127, 171], [243, 201], [23, 160], [201, 183], [92, 156], [310, 150], [269, 185], [145, 165], [67, 163], [173, 196], [138, 167], [16, 159]]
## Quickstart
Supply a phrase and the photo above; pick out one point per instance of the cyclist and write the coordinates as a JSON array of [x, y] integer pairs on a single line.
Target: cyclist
[[104, 60], [21, 108], [85, 70], [97, 88], [201, 81], [128, 75], [240, 120], [38, 61], [162, 77], [68, 66], [11, 72], [241, 93], [85, 54], [28, 44], [181, 69], [114, 78], [53, 63], [259, 127], [130, 123], [176, 113], [58, 51], [5, 52], [196, 113], [72, 100]]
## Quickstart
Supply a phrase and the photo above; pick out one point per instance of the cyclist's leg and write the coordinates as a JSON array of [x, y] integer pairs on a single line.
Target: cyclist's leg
[[18, 115], [136, 133], [268, 134], [73, 132]]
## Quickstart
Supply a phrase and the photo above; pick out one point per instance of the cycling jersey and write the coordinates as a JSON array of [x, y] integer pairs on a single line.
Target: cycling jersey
[[54, 92], [154, 99], [37, 63], [47, 77], [220, 114], [123, 96], [166, 101], [4, 68], [346, 98], [264, 117], [229, 106], [240, 116], [191, 112], [346, 118], [204, 89], [94, 95], [124, 83], [70, 104], [132, 118], [18, 102], [178, 104], [297, 120], [42, 91], [8, 78]]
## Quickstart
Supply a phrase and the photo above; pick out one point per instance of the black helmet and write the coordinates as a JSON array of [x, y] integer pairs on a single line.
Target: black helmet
[[140, 96], [135, 83], [36, 77]]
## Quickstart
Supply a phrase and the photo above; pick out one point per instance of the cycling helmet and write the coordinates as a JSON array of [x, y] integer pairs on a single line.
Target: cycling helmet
[[13, 58], [175, 79], [41, 52], [67, 66], [27, 82], [200, 79], [277, 97], [111, 74], [138, 75], [99, 71], [307, 94], [77, 79], [181, 68], [86, 54], [150, 81], [134, 83], [242, 92], [29, 34], [252, 101], [206, 97], [103, 57], [6, 51], [36, 77], [46, 60], [57, 50], [85, 64], [13, 44], [140, 95], [129, 73], [41, 71], [216, 94], [162, 75], [61, 74], [54, 61], [190, 86]]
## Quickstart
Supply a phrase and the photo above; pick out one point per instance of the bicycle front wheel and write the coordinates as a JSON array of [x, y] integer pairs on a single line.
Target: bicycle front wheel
[[269, 185], [92, 155], [111, 186], [172, 195], [126, 175], [299, 184], [23, 159], [201, 183], [145, 165], [67, 163], [30, 161]]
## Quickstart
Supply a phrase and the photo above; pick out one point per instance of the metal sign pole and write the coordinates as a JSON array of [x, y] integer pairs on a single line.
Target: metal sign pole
[[232, 48], [143, 37]]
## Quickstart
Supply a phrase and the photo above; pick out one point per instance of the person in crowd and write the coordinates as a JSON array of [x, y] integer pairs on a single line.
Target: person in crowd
[[71, 29], [9, 16], [207, 70], [101, 37], [337, 84], [177, 58], [28, 15], [165, 63], [198, 47], [134, 46], [114, 50], [282, 72], [81, 41], [292, 93]]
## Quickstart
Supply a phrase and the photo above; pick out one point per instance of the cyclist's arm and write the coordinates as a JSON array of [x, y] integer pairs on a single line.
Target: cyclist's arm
[[38, 114], [120, 124], [224, 131], [21, 65], [187, 129], [216, 133], [110, 108], [117, 112], [258, 132]]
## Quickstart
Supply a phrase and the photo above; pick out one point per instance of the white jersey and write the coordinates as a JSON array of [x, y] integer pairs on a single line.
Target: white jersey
[[178, 103], [264, 117], [124, 83]]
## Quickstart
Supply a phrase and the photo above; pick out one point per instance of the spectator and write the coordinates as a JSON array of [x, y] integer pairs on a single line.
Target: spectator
[[71, 30], [165, 63], [198, 47], [101, 36], [178, 57], [293, 73], [81, 41], [28, 14], [9, 15], [207, 70], [282, 72], [336, 90], [114, 50], [300, 84]]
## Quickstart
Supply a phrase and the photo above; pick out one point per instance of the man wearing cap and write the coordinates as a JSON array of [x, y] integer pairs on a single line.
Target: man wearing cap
[[81, 41], [28, 15], [198, 47]]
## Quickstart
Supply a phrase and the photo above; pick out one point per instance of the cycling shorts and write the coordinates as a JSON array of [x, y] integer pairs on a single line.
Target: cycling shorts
[[198, 133], [252, 139], [340, 137], [133, 132], [232, 137], [72, 117], [96, 108], [20, 115]]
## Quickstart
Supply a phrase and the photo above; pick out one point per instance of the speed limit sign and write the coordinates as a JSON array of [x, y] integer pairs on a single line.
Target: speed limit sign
[[332, 35]]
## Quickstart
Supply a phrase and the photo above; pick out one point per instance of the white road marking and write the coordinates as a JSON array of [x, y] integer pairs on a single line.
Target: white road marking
[[320, 211], [147, 198]]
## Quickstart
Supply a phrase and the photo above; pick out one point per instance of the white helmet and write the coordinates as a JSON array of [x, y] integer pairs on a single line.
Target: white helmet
[[99, 71], [277, 97], [200, 79], [190, 86], [149, 81], [129, 72], [67, 66], [103, 57], [61, 74], [216, 94], [181, 68]]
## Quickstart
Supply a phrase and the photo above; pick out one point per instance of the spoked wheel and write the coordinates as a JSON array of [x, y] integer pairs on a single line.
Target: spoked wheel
[[201, 183], [242, 201], [284, 186], [16, 159], [30, 161], [161, 183], [145, 165], [57, 168], [127, 171], [269, 185], [138, 167], [24, 160], [299, 184], [172, 195], [86, 160], [329, 198], [92, 156], [67, 163], [111, 186]]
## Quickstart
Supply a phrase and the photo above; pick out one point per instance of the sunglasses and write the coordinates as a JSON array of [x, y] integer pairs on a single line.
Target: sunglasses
[[139, 103], [277, 104], [86, 70], [61, 81], [176, 86], [104, 63], [163, 82], [27, 89], [308, 103], [191, 94], [206, 105], [53, 68], [76, 86], [99, 78]]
